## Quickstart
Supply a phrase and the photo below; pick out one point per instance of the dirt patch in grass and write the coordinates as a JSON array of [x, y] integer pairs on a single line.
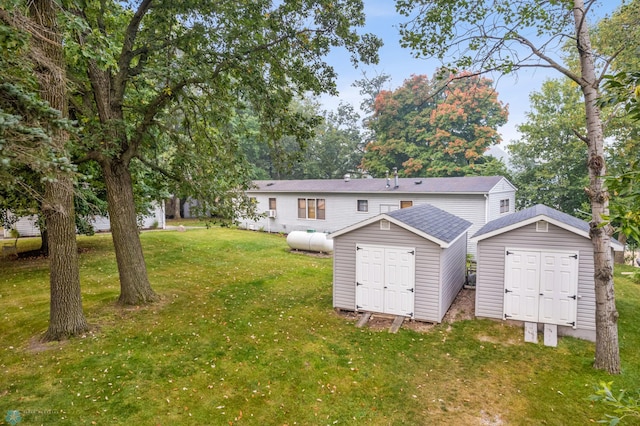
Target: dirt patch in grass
[[462, 308]]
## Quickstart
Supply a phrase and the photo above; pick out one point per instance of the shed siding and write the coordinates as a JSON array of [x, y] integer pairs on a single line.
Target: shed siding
[[453, 261], [341, 210], [490, 274], [344, 273], [427, 267]]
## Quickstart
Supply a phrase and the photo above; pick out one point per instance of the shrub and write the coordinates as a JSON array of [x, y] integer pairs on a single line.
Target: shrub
[[622, 404]]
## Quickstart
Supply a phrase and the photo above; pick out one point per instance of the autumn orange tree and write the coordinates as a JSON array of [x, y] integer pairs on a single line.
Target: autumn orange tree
[[435, 127]]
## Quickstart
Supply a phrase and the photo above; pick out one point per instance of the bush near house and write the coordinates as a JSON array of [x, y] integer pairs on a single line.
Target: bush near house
[[246, 334]]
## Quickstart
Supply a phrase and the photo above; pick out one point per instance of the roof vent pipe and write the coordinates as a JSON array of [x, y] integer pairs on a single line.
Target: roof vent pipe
[[388, 181], [395, 175], [347, 177]]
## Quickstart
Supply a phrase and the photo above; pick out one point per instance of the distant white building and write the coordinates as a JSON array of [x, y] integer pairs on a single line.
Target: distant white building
[[27, 226], [328, 205]]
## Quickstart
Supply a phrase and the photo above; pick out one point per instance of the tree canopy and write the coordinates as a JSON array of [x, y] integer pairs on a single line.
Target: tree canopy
[[549, 158], [431, 127], [164, 85]]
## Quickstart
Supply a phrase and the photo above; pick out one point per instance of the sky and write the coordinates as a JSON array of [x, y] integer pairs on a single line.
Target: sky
[[399, 63]]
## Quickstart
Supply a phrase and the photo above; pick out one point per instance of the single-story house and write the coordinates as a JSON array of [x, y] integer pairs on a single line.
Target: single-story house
[[409, 262], [536, 266], [27, 226], [327, 205]]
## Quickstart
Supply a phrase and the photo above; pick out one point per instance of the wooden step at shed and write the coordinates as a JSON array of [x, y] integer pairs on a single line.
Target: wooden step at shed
[[363, 319], [397, 323]]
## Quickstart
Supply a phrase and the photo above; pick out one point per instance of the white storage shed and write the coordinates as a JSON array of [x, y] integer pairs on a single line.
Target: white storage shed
[[409, 262], [536, 266]]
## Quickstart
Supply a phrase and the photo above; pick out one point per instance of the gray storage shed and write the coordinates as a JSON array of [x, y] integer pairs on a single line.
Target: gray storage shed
[[409, 262], [536, 266]]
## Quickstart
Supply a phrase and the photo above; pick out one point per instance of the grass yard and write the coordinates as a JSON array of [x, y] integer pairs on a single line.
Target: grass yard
[[246, 335]]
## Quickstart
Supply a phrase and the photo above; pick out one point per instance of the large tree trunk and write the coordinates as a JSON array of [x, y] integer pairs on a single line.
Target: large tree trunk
[[135, 288], [176, 208], [66, 317], [607, 352]]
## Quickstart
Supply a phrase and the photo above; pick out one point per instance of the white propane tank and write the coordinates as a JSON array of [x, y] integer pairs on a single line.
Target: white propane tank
[[310, 241]]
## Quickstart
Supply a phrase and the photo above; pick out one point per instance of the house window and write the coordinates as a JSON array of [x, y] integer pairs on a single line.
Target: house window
[[504, 206], [363, 205], [311, 208], [405, 204], [320, 205], [272, 203], [302, 208]]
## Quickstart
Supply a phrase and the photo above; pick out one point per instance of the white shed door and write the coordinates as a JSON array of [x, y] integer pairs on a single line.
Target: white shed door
[[541, 286], [385, 279], [370, 278], [558, 288], [522, 282]]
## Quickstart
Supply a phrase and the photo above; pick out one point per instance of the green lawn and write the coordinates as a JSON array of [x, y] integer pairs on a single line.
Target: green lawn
[[246, 334]]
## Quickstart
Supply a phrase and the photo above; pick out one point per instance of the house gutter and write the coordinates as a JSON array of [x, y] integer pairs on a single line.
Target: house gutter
[[486, 208]]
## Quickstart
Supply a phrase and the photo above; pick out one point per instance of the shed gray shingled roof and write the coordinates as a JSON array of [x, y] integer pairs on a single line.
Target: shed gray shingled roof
[[432, 221], [462, 185], [530, 213]]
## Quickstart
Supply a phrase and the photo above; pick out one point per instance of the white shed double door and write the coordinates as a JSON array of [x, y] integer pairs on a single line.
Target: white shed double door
[[385, 279], [541, 286]]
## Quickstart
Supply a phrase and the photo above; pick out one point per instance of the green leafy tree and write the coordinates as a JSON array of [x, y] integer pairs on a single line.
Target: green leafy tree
[[283, 158], [548, 160], [47, 142], [337, 148], [623, 90], [334, 150], [550, 157], [370, 88], [154, 77], [614, 33], [504, 36], [434, 127]]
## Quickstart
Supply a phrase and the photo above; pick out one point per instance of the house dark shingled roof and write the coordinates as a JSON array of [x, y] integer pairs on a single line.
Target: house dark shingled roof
[[531, 212], [461, 185], [432, 221]]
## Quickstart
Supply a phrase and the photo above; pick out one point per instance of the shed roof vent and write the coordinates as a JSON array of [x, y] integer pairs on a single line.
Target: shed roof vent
[[542, 226]]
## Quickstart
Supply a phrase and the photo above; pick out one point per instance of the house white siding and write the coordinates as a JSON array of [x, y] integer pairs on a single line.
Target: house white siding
[[491, 266], [341, 210], [502, 192], [27, 226]]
